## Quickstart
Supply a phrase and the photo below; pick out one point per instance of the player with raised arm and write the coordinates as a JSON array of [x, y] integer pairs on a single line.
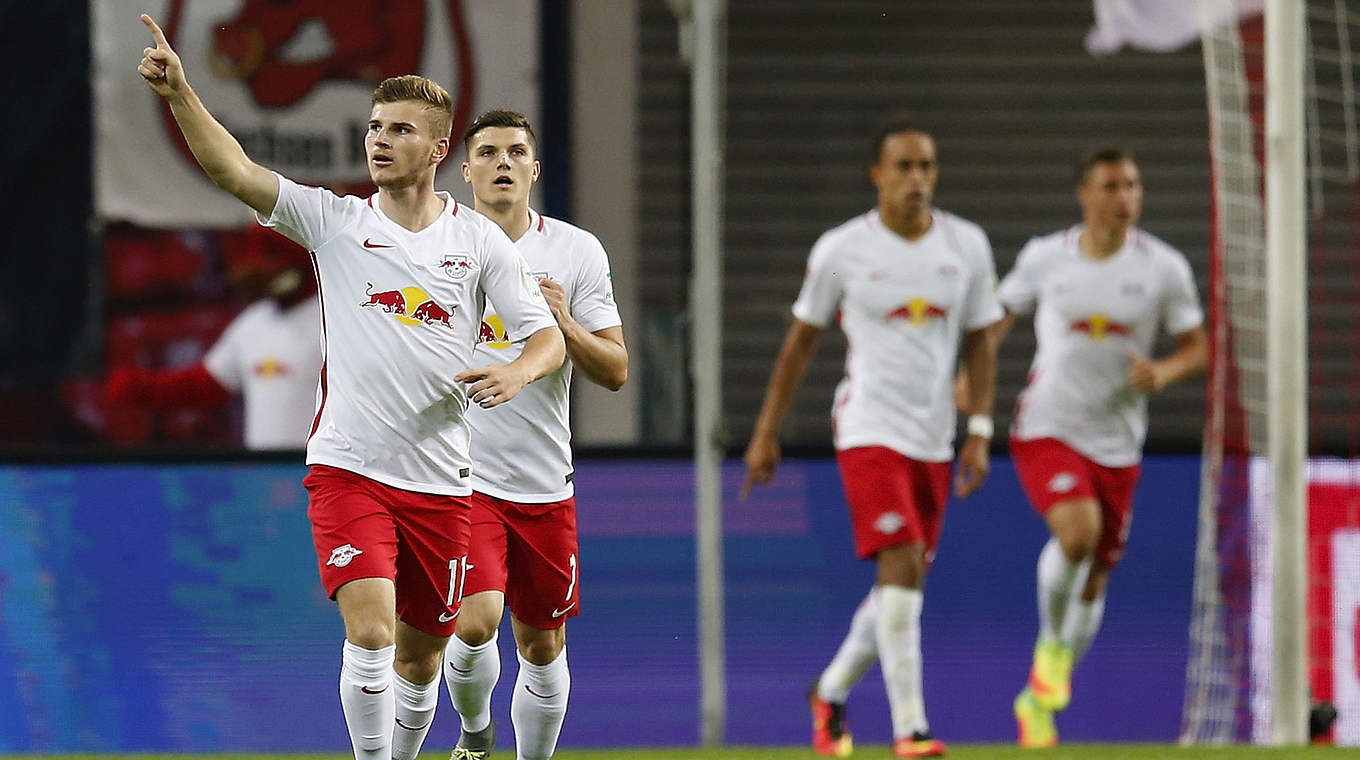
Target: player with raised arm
[[402, 275], [524, 545], [910, 284], [1099, 292]]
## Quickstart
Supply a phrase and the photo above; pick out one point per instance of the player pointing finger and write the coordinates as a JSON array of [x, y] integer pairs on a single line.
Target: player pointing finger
[[160, 66]]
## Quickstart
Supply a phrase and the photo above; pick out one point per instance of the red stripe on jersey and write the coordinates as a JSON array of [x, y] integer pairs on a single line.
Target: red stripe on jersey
[[316, 421], [370, 201], [540, 222], [455, 206]]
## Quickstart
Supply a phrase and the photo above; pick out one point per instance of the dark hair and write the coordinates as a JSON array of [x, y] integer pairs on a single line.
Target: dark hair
[[894, 123], [1104, 154], [437, 101], [499, 117]]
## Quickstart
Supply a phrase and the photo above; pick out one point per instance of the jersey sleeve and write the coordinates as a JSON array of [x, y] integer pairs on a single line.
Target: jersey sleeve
[[1019, 291], [1180, 300], [509, 285], [982, 307], [309, 216], [823, 286], [592, 298], [223, 360]]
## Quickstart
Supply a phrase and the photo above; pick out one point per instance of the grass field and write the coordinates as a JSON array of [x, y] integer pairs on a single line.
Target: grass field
[[867, 752]]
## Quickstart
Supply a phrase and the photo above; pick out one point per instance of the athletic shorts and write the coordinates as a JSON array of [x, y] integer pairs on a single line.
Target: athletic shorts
[[1052, 472], [893, 499], [364, 529], [529, 552]]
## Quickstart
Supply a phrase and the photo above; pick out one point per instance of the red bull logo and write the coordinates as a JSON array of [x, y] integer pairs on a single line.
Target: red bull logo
[[918, 311], [456, 266], [271, 367], [493, 333], [426, 311], [1099, 326]]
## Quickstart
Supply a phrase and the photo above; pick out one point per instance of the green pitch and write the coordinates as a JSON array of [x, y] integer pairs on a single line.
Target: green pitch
[[867, 752]]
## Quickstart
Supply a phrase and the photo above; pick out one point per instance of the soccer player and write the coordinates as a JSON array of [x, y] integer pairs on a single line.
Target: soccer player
[[910, 283], [270, 354], [1099, 292], [524, 547], [402, 276]]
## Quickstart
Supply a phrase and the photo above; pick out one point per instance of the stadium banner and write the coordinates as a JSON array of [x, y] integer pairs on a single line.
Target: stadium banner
[[175, 607], [1333, 556], [292, 82], [1161, 25]]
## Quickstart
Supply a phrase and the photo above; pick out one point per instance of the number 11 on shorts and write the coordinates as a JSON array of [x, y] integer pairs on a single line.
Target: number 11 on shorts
[[458, 570], [571, 586]]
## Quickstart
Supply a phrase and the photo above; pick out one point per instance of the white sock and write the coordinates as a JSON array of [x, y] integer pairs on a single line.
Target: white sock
[[1082, 622], [539, 705], [857, 652], [471, 674], [898, 634], [366, 698], [1057, 577], [415, 711]]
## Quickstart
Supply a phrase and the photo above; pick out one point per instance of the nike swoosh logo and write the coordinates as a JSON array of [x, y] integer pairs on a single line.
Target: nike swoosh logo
[[368, 243], [413, 728], [445, 617], [536, 694], [563, 611], [457, 669], [367, 690]]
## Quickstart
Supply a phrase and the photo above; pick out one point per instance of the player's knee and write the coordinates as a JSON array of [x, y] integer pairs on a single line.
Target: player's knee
[[419, 667], [544, 646], [370, 633], [1079, 544], [476, 631]]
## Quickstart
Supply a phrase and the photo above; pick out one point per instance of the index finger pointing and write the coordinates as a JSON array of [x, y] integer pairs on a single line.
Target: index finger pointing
[[156, 32]]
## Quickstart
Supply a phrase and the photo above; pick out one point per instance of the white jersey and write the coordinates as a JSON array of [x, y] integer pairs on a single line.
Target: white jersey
[[400, 313], [903, 306], [272, 357], [1091, 314], [521, 450]]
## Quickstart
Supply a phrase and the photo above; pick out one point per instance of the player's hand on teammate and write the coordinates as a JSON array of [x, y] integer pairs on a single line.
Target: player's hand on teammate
[[973, 465], [1145, 374], [160, 65], [556, 297], [493, 385], [762, 458]]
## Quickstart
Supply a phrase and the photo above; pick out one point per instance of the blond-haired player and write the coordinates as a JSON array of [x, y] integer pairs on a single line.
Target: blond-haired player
[[402, 276]]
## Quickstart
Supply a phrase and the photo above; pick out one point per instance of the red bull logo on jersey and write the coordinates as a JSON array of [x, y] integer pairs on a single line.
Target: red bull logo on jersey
[[410, 305], [456, 265], [493, 334], [918, 312], [271, 367], [1099, 327]]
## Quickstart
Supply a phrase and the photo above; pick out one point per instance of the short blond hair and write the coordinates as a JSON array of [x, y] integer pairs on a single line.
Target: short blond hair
[[438, 102]]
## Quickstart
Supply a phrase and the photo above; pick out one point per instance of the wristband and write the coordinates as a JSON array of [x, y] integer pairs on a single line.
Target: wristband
[[980, 425]]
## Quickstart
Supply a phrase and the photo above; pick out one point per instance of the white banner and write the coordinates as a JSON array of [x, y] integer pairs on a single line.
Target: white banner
[[1161, 25], [292, 82]]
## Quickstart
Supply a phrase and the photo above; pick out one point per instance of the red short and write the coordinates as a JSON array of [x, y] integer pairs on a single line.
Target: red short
[[893, 499], [529, 552], [364, 529], [1052, 472]]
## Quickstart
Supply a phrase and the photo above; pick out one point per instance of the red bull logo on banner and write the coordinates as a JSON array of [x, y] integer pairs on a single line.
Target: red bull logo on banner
[[410, 305], [1099, 327], [493, 334], [918, 312], [294, 63]]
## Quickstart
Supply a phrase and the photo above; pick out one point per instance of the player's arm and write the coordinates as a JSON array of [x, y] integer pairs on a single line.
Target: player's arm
[[762, 454], [496, 384], [978, 375], [601, 354], [220, 155], [1189, 358]]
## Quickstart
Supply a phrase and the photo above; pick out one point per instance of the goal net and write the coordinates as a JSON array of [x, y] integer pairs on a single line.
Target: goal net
[[1228, 697]]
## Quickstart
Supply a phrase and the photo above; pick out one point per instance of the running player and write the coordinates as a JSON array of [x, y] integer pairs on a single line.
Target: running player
[[909, 283], [403, 275], [1099, 291], [524, 547]]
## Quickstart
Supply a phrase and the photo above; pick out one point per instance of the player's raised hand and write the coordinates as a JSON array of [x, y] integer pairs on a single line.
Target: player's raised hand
[[1144, 373], [762, 457], [160, 65], [556, 297]]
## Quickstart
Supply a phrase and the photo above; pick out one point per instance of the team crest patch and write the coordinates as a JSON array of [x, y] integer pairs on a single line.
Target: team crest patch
[[343, 555], [889, 523], [456, 265]]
